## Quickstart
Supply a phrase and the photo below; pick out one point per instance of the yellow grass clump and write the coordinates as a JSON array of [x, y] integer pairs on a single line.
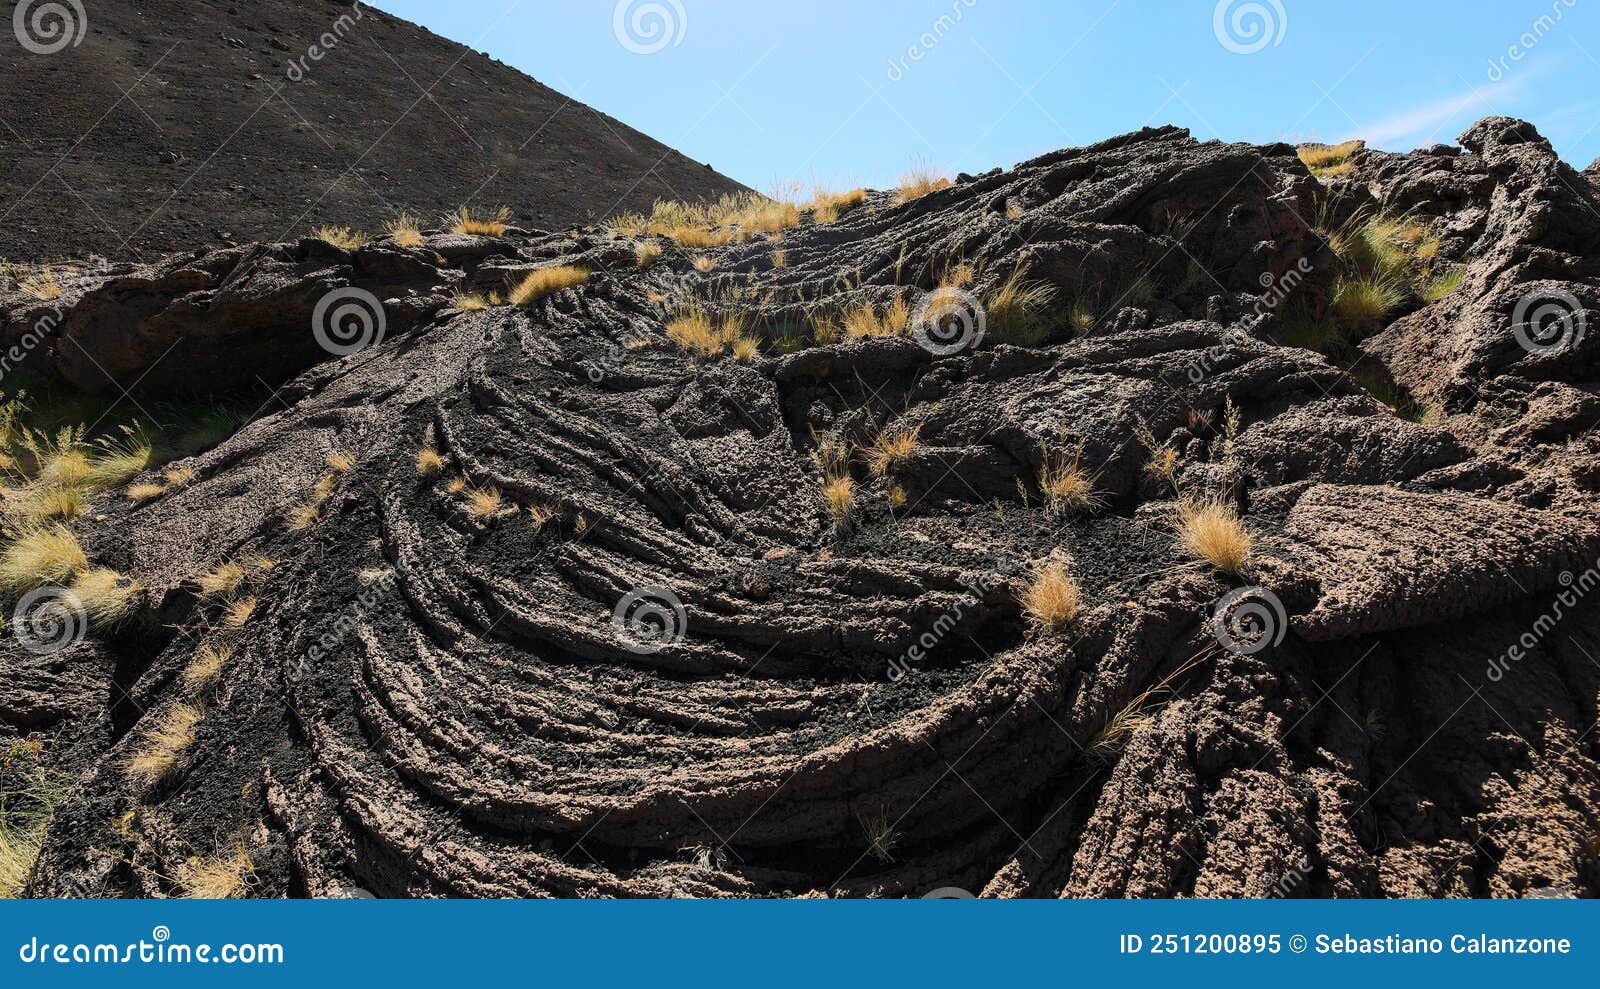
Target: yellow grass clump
[[1329, 160], [40, 553], [891, 447], [647, 252], [1018, 311], [429, 461], [405, 231], [42, 285], [698, 331], [1212, 530], [544, 282], [1067, 485], [206, 666], [223, 580], [165, 743], [107, 596], [704, 263], [866, 321], [484, 503], [1052, 597], [223, 876], [839, 496], [341, 237], [238, 613], [462, 221], [919, 180]]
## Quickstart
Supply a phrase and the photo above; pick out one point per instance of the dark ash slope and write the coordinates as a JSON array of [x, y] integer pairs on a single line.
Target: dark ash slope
[[213, 143]]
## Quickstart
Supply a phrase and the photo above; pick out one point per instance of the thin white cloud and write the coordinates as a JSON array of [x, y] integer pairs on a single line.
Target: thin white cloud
[[1427, 123]]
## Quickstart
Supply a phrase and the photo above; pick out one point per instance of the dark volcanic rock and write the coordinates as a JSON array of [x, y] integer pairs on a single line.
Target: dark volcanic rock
[[431, 700]]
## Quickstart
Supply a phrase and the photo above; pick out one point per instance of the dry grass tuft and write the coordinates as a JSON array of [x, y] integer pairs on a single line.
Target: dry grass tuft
[[463, 222], [165, 743], [484, 503], [1328, 161], [865, 321], [405, 230], [107, 596], [695, 329], [839, 496], [704, 263], [1212, 530], [177, 477], [647, 252], [1365, 301], [1066, 484], [1018, 311], [205, 667], [538, 284], [827, 206], [1163, 464], [882, 838], [891, 447], [919, 180], [429, 461], [224, 580], [341, 461], [25, 813], [341, 237], [40, 554], [42, 285], [238, 613], [544, 512], [223, 876], [1053, 597], [145, 492]]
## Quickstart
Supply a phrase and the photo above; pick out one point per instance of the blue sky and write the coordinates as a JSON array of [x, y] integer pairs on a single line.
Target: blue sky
[[852, 93]]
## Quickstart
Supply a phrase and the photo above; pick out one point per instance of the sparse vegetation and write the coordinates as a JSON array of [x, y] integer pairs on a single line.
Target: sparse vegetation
[[163, 745], [1327, 161], [894, 320], [891, 447], [429, 461], [341, 461], [25, 813], [1066, 484], [39, 554], [484, 503], [1018, 311], [1440, 286], [42, 285], [919, 180], [405, 231], [224, 875], [704, 263], [1052, 597], [1211, 529], [341, 237], [224, 580], [647, 252], [464, 221], [882, 838], [544, 282], [107, 596], [697, 330], [206, 665], [237, 613]]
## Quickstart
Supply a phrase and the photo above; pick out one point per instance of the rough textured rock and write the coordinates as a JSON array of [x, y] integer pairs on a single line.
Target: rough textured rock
[[427, 702]]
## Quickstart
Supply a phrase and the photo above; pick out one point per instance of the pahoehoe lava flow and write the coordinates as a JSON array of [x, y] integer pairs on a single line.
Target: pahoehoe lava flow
[[437, 692]]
